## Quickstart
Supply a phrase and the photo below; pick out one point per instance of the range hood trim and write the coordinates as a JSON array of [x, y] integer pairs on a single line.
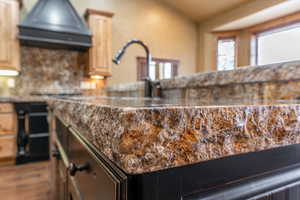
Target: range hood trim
[[35, 39], [70, 33], [53, 31]]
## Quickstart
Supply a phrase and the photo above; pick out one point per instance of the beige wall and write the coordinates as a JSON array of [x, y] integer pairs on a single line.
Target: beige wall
[[207, 40], [168, 33]]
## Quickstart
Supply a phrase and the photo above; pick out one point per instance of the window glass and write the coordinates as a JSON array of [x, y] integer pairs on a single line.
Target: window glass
[[226, 54], [167, 70], [280, 45], [159, 68], [152, 71]]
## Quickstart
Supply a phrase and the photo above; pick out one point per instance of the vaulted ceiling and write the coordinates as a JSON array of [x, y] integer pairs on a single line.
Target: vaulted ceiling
[[200, 10]]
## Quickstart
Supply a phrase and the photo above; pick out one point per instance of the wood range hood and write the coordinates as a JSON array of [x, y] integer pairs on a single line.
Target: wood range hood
[[54, 24]]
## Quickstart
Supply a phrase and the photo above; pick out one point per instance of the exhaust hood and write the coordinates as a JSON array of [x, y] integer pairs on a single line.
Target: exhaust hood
[[54, 24]]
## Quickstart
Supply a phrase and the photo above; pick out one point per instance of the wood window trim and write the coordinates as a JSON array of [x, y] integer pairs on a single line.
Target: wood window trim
[[228, 35], [254, 49], [277, 23], [141, 70], [161, 59], [253, 31]]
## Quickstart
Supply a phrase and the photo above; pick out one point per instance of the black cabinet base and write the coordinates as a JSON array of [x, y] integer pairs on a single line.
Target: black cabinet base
[[27, 159], [33, 144], [266, 175]]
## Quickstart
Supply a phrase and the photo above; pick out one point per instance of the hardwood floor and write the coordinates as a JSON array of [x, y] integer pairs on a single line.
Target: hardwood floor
[[30, 182]]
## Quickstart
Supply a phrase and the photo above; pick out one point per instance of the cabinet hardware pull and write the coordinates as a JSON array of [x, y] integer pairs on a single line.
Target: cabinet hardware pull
[[73, 169]]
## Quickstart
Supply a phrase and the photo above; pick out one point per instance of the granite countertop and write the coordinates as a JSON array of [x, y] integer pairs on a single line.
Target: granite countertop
[[12, 99], [144, 135], [286, 71]]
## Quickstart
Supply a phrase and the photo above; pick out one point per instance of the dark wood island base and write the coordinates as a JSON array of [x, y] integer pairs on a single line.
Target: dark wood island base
[[82, 172]]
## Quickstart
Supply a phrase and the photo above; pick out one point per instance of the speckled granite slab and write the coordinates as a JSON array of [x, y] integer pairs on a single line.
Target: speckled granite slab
[[147, 135], [286, 71], [12, 99]]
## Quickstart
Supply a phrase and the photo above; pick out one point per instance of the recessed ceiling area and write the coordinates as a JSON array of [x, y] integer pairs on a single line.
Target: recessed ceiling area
[[274, 12], [200, 10]]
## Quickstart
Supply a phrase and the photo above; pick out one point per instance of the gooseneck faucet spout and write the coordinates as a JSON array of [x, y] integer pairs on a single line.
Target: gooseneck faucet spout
[[120, 53]]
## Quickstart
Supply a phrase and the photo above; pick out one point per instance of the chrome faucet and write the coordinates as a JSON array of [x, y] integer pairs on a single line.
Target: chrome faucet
[[121, 52]]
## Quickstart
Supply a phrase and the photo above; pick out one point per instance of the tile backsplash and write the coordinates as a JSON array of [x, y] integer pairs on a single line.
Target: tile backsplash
[[46, 70]]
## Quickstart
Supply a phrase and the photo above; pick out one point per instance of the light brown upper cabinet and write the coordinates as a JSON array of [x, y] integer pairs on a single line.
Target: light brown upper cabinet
[[9, 43], [100, 54]]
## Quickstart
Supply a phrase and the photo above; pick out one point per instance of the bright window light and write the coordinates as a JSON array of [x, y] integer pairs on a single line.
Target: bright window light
[[97, 77], [152, 71], [4, 72], [280, 45], [226, 54]]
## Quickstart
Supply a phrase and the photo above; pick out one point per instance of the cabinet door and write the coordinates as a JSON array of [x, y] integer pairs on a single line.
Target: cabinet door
[[58, 175], [73, 190], [6, 108], [8, 124], [100, 55], [7, 150], [59, 162], [9, 47], [62, 181], [96, 181], [288, 194]]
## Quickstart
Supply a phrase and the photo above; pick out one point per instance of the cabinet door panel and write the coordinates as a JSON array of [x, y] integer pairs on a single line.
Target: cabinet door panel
[[95, 183], [73, 190], [6, 107], [8, 123], [100, 53], [294, 193], [38, 123], [62, 181], [5, 20], [7, 147], [9, 48], [288, 194]]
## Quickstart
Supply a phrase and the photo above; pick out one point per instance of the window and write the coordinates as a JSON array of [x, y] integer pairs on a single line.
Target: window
[[159, 69], [226, 54], [278, 45]]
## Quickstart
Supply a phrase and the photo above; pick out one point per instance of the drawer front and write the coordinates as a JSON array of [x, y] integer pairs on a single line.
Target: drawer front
[[95, 183], [6, 108], [61, 186], [73, 191], [7, 147], [39, 147], [38, 123], [62, 134], [38, 107], [8, 123]]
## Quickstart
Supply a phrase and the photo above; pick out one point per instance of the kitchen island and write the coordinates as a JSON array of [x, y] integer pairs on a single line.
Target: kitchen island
[[140, 149]]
